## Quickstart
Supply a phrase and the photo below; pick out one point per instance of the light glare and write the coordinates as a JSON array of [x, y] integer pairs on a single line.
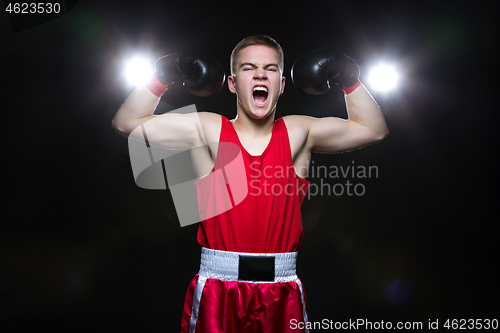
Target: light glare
[[138, 72], [383, 78]]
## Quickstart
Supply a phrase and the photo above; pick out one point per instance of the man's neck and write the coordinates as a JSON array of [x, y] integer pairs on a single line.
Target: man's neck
[[248, 126]]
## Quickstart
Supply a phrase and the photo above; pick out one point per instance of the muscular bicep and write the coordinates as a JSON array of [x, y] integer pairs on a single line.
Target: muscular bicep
[[335, 135], [171, 130]]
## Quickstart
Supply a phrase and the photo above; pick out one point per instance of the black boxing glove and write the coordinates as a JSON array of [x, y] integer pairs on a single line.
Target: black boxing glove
[[202, 74], [167, 68], [313, 72], [166, 71]]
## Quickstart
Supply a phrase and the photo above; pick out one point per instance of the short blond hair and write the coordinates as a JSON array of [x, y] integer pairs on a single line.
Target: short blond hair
[[256, 40]]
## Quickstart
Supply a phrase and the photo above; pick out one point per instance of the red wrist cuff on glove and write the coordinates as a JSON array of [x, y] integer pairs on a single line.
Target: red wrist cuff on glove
[[348, 90], [156, 87]]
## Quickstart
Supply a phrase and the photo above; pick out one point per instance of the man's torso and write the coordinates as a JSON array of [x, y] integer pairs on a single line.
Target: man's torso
[[204, 157]]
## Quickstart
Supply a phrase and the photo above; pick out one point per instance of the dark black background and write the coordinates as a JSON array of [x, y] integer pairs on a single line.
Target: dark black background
[[83, 248]]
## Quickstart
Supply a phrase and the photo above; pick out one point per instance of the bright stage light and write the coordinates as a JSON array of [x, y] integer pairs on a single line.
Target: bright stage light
[[138, 71], [383, 78]]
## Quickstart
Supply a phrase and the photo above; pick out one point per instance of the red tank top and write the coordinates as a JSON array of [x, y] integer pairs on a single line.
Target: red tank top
[[267, 218]]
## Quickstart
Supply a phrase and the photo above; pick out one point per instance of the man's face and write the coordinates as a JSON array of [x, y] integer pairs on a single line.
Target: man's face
[[257, 81]]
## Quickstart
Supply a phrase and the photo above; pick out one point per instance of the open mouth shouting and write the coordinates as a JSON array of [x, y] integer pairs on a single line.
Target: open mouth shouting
[[260, 94]]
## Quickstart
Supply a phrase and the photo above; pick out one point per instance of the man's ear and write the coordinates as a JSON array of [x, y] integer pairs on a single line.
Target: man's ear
[[231, 83], [283, 79]]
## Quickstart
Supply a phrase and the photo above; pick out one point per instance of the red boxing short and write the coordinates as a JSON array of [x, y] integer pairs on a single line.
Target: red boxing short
[[225, 296]]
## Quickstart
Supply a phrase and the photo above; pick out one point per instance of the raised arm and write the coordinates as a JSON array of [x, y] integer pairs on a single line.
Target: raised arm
[[365, 123], [202, 76], [137, 109]]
